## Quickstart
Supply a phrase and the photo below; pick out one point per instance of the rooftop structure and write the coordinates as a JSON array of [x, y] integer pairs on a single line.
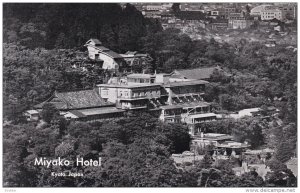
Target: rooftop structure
[[111, 59], [223, 143], [197, 73]]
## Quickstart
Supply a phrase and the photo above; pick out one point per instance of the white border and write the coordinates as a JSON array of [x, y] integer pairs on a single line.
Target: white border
[[129, 190]]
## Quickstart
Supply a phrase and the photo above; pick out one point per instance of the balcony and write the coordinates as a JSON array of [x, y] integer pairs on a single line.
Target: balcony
[[178, 94], [139, 97], [134, 106]]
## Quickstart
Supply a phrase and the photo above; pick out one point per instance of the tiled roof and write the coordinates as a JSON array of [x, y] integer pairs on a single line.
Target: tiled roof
[[96, 41], [58, 105], [81, 99], [93, 42], [197, 73]]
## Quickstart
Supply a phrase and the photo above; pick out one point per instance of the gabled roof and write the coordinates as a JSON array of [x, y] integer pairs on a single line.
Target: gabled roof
[[94, 42], [98, 45], [79, 99], [82, 99], [112, 54], [102, 48], [196, 73]]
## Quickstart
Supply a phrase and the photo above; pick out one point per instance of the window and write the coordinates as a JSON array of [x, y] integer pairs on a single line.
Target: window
[[104, 92]]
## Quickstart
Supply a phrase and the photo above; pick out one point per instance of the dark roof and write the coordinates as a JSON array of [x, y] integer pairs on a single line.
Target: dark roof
[[93, 42], [98, 45], [197, 73], [112, 54], [77, 113], [185, 83], [57, 104], [79, 99], [103, 48]]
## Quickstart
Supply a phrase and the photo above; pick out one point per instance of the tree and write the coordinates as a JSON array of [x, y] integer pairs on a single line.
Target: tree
[[49, 111], [280, 175]]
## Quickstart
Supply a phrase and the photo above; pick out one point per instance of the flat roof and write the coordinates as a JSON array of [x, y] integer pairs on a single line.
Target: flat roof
[[212, 136], [233, 145], [131, 85], [202, 115], [32, 111], [140, 76], [186, 105], [185, 83], [99, 111]]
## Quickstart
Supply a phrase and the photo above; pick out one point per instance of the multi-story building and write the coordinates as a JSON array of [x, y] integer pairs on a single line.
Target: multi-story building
[[280, 11], [135, 58], [219, 24], [223, 144], [272, 13], [256, 11], [112, 60], [153, 7], [179, 101], [288, 11], [269, 12], [238, 21]]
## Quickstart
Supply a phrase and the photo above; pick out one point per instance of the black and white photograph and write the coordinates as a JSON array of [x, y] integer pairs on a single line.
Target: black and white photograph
[[150, 94]]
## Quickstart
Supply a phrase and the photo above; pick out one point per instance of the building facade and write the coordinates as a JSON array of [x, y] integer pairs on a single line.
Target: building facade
[[111, 60], [238, 21], [179, 102]]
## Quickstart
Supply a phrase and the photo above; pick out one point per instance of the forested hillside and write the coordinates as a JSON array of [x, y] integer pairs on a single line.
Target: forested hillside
[[71, 25], [43, 41]]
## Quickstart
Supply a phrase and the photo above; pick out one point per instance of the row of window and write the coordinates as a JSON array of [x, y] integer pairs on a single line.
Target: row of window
[[189, 110], [141, 80], [140, 94], [264, 13], [184, 90], [270, 17]]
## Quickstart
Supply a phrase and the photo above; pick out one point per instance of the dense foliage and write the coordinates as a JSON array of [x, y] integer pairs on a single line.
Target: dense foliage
[[43, 52]]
